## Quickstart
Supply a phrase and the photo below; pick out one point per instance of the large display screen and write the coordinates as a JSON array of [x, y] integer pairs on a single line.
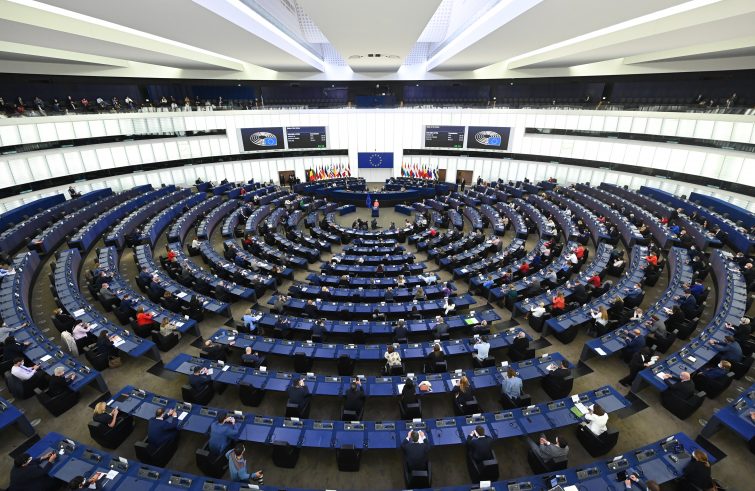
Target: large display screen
[[257, 139], [306, 137], [488, 138], [444, 136]]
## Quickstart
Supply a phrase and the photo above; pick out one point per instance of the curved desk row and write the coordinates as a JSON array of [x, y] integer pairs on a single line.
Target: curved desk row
[[374, 434], [15, 291], [336, 386], [118, 234], [70, 298], [681, 273], [202, 277], [362, 310], [155, 226], [359, 352]]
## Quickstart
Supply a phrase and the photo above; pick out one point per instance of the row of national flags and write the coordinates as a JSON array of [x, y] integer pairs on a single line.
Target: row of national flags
[[422, 171], [328, 171]]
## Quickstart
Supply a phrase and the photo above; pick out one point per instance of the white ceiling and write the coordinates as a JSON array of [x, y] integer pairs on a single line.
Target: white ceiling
[[331, 39]]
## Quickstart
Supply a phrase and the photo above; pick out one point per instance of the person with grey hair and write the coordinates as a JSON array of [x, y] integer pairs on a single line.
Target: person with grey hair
[[58, 383]]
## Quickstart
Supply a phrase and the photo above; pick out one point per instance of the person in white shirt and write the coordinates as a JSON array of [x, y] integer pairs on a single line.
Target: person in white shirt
[[448, 306], [392, 358], [482, 348], [36, 378], [538, 310], [572, 258], [82, 335], [597, 420], [195, 244]]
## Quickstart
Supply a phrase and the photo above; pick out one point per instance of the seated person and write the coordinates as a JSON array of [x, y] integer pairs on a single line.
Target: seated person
[[547, 451], [681, 387], [441, 328], [298, 392], [482, 348], [559, 372], [392, 358], [400, 332], [511, 385], [162, 428], [716, 373], [214, 351], [199, 380], [435, 356], [167, 328], [250, 320], [355, 397], [728, 349], [104, 415], [222, 433], [463, 392], [35, 377], [62, 318], [144, 319], [520, 344], [479, 445], [105, 344], [251, 358], [29, 473], [82, 335], [12, 349], [697, 471], [416, 450], [377, 315], [597, 419], [58, 383], [237, 467]]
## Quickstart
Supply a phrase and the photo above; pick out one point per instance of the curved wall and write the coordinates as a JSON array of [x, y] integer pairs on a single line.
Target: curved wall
[[375, 130]]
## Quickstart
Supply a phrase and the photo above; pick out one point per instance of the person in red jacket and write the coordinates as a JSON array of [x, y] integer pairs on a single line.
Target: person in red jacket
[[594, 281], [652, 259], [524, 268]]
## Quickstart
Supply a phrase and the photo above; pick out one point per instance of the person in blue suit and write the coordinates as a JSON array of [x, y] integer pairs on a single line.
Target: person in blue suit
[[729, 349], [162, 428], [715, 373], [222, 433], [199, 380]]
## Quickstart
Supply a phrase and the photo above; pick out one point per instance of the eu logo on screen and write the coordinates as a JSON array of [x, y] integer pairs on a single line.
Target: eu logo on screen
[[489, 138], [263, 139]]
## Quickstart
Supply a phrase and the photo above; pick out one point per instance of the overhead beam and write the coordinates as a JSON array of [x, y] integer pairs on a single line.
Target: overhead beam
[[696, 49], [689, 14], [45, 16], [59, 54]]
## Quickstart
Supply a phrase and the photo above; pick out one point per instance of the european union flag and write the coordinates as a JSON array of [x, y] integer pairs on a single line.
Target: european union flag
[[369, 201], [375, 160]]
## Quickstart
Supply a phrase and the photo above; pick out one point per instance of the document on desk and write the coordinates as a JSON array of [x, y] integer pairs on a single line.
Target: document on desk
[[118, 341], [182, 416], [78, 313], [45, 358], [600, 351], [112, 474], [661, 375], [181, 294]]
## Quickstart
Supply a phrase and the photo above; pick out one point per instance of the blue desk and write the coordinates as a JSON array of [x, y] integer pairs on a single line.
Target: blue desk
[[16, 235], [336, 386], [697, 353], [369, 295], [52, 236], [368, 327], [498, 260], [10, 415], [737, 237], [403, 209], [89, 234], [386, 198], [15, 291], [722, 207], [367, 352], [144, 259], [19, 213], [202, 276], [366, 282], [577, 317], [736, 417], [630, 234], [598, 230], [258, 282], [348, 234], [184, 221], [76, 458], [153, 228], [124, 228], [66, 273], [108, 259], [365, 310], [233, 251], [661, 232], [596, 267], [680, 273], [375, 434], [211, 220]]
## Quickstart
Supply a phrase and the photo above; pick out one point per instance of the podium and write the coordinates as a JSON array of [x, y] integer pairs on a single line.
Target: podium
[[375, 212]]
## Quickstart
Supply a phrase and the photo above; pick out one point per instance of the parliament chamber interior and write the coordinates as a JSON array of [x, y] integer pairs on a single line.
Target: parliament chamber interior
[[302, 245]]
